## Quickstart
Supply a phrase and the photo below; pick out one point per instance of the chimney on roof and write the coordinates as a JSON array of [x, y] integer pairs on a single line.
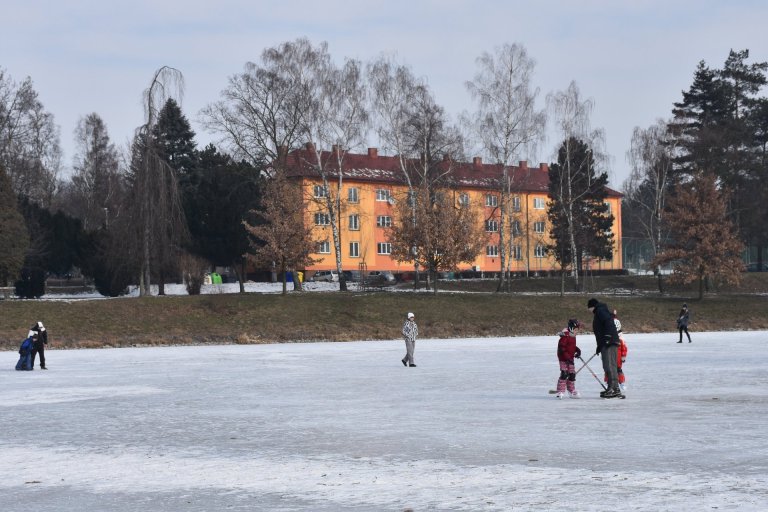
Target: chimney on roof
[[544, 167], [523, 164], [335, 149], [310, 146], [373, 153], [477, 163]]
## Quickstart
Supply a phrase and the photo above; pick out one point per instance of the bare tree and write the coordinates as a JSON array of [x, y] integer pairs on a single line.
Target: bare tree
[[507, 124], [414, 127], [283, 237], [444, 235], [159, 211], [571, 114], [95, 183], [649, 185], [29, 141]]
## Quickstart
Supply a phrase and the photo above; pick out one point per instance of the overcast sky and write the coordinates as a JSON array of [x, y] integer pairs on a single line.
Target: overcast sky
[[632, 58]]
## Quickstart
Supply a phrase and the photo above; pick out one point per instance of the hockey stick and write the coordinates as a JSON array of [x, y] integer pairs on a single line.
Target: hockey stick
[[553, 391], [593, 374]]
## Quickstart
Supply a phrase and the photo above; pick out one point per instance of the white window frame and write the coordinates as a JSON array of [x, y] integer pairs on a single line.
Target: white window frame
[[492, 251], [322, 219], [354, 249], [608, 210], [540, 251], [539, 203], [353, 195], [324, 247], [464, 199], [354, 222], [383, 248], [320, 191], [517, 229], [383, 195], [539, 227], [492, 226], [516, 203], [491, 200], [517, 252], [383, 221]]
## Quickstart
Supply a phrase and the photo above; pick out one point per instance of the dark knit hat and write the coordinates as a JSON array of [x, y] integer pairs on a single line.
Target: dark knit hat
[[592, 303]]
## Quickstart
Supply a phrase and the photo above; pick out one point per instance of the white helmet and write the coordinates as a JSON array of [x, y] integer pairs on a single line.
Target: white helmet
[[618, 324]]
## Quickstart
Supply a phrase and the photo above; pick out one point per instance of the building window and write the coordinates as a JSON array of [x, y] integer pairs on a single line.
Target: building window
[[540, 251], [492, 226], [353, 195], [607, 208], [320, 191], [322, 219], [516, 228], [354, 222], [516, 203], [539, 203], [464, 199], [492, 250], [384, 248], [517, 252], [383, 221], [354, 249], [491, 200], [324, 247], [538, 227], [383, 194]]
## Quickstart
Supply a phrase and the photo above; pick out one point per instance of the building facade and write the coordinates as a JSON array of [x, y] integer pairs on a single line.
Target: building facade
[[371, 185]]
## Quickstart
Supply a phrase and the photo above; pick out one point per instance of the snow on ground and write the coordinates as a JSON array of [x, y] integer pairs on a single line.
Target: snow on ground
[[345, 427]]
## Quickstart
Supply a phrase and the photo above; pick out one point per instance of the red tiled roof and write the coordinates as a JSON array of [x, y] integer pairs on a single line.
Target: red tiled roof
[[376, 168]]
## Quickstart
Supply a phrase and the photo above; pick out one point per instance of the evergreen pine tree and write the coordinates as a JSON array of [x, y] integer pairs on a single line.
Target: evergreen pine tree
[[14, 239]]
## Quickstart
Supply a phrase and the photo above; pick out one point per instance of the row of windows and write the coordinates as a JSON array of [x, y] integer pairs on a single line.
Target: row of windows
[[324, 247], [382, 194], [382, 221], [540, 251]]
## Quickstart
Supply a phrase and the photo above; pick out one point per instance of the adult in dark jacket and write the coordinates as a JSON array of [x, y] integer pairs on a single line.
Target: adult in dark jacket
[[39, 345], [682, 322], [607, 338]]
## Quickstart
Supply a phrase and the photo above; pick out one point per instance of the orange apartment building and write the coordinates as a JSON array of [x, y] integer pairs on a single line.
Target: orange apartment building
[[371, 183]]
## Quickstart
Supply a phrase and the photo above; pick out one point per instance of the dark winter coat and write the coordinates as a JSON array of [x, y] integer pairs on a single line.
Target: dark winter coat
[[683, 318], [42, 337], [566, 347], [604, 327]]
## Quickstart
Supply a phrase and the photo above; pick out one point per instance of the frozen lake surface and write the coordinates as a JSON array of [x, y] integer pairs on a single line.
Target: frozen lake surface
[[345, 427]]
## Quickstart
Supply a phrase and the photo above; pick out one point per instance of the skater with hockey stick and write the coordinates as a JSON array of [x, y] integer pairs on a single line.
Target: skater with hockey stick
[[566, 351], [607, 338]]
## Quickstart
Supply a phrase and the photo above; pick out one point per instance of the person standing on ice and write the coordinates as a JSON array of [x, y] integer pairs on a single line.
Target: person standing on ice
[[682, 322], [607, 338], [566, 352], [410, 332], [621, 356], [40, 342]]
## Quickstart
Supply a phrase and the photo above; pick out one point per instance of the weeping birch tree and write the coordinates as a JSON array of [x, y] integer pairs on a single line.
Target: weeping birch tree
[[571, 115], [159, 210], [507, 125]]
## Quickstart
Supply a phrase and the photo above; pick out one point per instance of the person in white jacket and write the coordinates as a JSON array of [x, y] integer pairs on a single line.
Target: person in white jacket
[[410, 332]]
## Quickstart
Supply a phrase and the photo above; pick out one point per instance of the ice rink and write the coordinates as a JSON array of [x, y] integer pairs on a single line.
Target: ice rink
[[345, 427]]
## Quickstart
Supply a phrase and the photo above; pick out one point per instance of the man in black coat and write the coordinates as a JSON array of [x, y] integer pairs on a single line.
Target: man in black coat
[[607, 338]]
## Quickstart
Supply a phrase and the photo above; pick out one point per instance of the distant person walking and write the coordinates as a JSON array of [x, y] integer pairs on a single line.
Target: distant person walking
[[410, 332], [38, 347], [607, 338], [682, 322]]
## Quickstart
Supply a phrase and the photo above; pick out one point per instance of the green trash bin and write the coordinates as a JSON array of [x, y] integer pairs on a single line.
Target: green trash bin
[[215, 278]]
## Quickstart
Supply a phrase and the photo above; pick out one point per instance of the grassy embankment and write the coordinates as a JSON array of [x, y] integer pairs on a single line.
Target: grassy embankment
[[314, 316]]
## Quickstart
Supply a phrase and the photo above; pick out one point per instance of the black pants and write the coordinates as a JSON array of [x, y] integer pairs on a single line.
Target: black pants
[[38, 348], [682, 328]]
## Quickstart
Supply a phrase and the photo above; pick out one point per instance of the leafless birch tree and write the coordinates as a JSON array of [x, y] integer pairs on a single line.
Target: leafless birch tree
[[508, 125], [571, 115]]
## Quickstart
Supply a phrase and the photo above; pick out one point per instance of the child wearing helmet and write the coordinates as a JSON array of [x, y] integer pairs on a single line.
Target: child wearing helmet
[[622, 353], [566, 352]]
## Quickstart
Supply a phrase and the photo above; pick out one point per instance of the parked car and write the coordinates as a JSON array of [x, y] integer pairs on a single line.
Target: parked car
[[329, 276], [380, 278], [352, 276], [754, 267]]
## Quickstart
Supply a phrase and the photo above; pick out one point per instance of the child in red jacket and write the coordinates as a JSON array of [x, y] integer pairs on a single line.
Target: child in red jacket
[[621, 356], [566, 352]]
